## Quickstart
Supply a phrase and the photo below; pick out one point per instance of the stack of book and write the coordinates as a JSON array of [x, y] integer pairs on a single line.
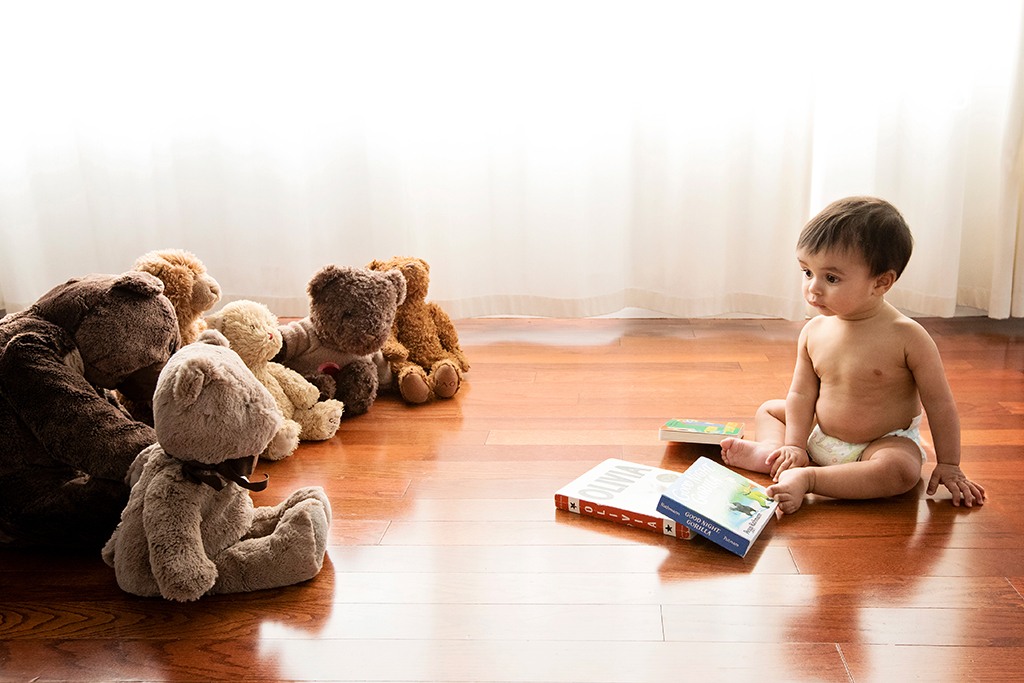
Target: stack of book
[[706, 499]]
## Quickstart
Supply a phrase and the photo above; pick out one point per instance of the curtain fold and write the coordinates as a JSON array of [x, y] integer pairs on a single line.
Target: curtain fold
[[553, 159]]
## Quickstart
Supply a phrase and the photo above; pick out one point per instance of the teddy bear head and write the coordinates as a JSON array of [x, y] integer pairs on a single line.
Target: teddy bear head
[[208, 406], [354, 308], [251, 328], [190, 288], [123, 327], [415, 270]]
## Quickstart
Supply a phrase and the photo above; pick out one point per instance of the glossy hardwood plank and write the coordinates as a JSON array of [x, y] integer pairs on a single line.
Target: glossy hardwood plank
[[285, 655], [933, 663]]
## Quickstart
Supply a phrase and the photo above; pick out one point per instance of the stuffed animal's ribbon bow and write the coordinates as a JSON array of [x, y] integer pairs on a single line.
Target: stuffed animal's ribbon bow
[[236, 470]]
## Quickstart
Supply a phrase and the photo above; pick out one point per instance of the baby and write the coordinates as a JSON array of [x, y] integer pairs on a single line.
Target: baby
[[849, 427]]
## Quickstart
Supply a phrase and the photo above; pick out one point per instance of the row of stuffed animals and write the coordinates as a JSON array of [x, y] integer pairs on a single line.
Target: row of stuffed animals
[[129, 420]]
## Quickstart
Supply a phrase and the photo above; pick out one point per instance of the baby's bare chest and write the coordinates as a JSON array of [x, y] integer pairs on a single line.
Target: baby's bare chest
[[859, 360]]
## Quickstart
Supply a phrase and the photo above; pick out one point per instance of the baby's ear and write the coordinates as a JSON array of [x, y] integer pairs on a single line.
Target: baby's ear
[[885, 281]]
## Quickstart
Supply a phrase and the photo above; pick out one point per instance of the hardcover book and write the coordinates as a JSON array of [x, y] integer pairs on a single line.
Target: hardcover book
[[719, 504], [697, 431], [622, 492]]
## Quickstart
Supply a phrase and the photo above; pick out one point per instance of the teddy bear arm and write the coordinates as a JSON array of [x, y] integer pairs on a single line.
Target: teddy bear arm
[[297, 340], [266, 517], [394, 351], [299, 391], [172, 523], [448, 335], [96, 436]]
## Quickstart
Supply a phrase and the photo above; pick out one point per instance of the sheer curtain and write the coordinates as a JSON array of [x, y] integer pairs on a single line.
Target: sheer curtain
[[547, 158]]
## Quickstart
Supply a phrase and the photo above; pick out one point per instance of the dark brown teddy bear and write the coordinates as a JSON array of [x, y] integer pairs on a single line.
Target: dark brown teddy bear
[[65, 443], [337, 346]]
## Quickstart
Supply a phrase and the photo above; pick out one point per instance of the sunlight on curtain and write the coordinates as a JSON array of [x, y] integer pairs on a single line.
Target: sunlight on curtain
[[547, 158]]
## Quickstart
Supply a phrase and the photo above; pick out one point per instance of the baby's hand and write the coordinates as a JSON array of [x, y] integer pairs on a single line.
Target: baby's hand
[[962, 488], [787, 457]]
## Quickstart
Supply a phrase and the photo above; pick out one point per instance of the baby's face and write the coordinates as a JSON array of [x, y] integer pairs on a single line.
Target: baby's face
[[839, 283]]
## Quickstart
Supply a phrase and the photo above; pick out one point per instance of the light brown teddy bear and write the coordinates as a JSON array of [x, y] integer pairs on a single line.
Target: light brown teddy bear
[[423, 348], [253, 332], [192, 292], [190, 288], [190, 528]]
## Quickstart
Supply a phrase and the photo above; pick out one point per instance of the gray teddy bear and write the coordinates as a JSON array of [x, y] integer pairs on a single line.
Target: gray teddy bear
[[190, 528]]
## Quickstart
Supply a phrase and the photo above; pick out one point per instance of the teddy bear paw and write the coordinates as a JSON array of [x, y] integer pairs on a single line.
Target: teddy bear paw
[[284, 443], [412, 384], [446, 379], [304, 532], [321, 422]]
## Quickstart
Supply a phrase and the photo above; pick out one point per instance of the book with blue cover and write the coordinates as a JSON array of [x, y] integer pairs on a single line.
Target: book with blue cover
[[715, 502]]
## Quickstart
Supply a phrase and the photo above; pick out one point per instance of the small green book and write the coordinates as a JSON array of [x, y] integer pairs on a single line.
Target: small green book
[[698, 431]]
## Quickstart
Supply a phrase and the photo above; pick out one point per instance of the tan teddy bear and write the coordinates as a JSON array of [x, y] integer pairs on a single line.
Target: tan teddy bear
[[190, 528], [192, 292], [253, 332], [423, 348], [190, 288]]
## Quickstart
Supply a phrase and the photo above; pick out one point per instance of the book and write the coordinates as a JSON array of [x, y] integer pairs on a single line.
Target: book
[[719, 504], [697, 431], [622, 492]]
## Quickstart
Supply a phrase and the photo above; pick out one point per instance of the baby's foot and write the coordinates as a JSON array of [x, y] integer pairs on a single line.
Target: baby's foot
[[793, 485], [747, 455]]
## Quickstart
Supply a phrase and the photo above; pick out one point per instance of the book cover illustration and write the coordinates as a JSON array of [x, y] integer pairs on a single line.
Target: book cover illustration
[[720, 504], [698, 431], [622, 492]]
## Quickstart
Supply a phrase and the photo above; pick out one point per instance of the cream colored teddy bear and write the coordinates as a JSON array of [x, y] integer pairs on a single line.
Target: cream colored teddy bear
[[190, 528], [253, 332]]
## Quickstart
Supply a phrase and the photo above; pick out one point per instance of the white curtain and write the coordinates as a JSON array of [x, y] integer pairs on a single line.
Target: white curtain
[[547, 158]]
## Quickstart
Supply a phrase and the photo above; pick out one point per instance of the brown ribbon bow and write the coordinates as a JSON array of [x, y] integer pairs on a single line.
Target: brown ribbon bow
[[236, 470]]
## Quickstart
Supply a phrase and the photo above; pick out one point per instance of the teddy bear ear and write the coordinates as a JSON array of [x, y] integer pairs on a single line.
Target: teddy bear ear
[[213, 337], [215, 321], [322, 279], [189, 382], [140, 283], [401, 287]]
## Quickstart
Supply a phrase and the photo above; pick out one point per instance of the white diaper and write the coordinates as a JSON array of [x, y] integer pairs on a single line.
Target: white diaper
[[828, 450]]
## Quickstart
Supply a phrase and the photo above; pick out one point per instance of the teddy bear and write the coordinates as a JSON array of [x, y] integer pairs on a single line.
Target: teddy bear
[[190, 527], [338, 345], [423, 347], [66, 444], [252, 330], [190, 288], [192, 292]]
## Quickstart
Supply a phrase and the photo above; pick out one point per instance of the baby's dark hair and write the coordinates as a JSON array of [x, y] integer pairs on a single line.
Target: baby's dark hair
[[873, 227]]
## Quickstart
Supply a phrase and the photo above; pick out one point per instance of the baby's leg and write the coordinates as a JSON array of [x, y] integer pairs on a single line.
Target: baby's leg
[[770, 429], [889, 467]]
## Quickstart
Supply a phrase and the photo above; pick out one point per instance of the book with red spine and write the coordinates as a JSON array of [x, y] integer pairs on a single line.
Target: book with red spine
[[622, 492]]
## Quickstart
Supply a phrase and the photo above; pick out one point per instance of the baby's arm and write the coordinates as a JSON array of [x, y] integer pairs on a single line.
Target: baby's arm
[[924, 362], [800, 402]]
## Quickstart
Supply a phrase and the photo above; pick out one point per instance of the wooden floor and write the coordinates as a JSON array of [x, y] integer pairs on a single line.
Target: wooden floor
[[449, 562]]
